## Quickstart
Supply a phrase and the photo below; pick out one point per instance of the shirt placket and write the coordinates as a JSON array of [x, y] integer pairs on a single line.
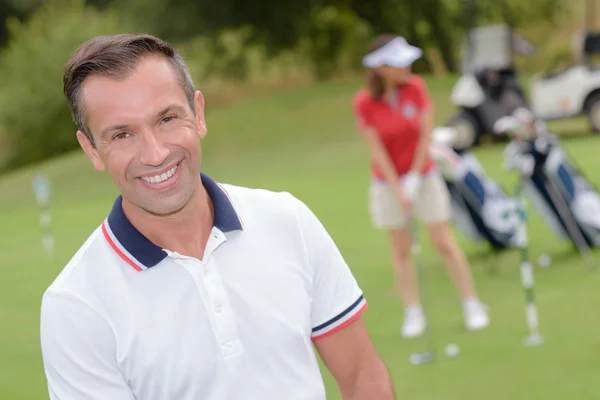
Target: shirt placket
[[209, 283]]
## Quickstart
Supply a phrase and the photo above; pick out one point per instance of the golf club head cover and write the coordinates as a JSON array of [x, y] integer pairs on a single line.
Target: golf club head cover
[[517, 156]]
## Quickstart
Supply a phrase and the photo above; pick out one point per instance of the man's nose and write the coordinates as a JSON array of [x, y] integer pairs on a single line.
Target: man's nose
[[152, 151]]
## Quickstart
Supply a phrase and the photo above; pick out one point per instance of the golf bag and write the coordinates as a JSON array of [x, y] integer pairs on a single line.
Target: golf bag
[[480, 207], [556, 187]]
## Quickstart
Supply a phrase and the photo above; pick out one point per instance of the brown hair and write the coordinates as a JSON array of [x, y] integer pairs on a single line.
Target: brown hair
[[376, 82], [115, 57]]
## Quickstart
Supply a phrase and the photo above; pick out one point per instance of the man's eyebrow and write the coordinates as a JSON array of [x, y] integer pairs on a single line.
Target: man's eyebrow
[[114, 128], [161, 113], [171, 108]]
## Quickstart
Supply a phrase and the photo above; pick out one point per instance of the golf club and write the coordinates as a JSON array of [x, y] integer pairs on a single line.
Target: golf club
[[531, 311], [429, 354]]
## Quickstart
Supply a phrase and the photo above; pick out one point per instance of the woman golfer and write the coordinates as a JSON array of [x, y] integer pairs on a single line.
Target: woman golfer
[[395, 116]]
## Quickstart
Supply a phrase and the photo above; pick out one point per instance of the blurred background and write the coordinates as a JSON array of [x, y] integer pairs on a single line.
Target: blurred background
[[236, 48], [278, 78]]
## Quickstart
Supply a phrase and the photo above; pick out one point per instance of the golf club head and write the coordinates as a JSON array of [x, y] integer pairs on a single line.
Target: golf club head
[[421, 358], [533, 339]]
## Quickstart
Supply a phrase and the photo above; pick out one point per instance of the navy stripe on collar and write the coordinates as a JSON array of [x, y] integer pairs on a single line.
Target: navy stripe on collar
[[226, 219], [149, 254]]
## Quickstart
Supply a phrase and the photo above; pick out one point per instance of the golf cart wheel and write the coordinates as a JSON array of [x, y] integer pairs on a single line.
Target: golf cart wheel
[[467, 131], [592, 109]]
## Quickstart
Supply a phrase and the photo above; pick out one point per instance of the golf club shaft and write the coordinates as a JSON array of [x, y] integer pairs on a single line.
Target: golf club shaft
[[416, 252], [531, 312], [526, 268], [570, 223]]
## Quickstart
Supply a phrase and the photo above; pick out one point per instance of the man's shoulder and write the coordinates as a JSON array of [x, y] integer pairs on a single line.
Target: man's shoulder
[[265, 205], [70, 277], [258, 196]]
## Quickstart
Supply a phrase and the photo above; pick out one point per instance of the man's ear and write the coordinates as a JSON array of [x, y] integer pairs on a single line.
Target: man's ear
[[90, 151], [199, 109]]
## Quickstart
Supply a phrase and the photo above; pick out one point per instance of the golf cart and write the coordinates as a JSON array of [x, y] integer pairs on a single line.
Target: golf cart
[[575, 90], [489, 88]]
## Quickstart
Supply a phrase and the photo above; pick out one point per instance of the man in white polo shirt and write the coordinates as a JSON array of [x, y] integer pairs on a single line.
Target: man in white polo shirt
[[191, 289]]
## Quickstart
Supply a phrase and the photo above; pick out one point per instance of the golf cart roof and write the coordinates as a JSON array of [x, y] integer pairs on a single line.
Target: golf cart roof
[[487, 47]]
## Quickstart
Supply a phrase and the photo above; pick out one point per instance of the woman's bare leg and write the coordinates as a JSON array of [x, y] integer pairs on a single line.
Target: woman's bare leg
[[454, 259], [403, 266], [458, 268], [414, 318]]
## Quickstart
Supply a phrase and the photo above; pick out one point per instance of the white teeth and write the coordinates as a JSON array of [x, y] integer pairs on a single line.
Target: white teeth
[[160, 178]]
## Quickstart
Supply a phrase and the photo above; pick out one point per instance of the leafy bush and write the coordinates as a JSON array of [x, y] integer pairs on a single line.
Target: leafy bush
[[35, 122], [232, 66], [34, 116], [232, 56], [337, 40]]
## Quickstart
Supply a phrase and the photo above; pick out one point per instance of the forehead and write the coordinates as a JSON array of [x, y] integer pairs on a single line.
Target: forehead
[[392, 68], [152, 83]]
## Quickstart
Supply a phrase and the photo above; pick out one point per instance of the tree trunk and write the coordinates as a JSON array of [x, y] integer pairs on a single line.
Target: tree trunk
[[435, 13], [412, 36]]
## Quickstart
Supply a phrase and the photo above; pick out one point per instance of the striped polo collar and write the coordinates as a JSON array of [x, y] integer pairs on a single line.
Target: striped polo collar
[[138, 251]]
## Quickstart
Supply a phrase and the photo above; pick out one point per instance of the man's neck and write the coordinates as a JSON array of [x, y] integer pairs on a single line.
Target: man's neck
[[185, 231]]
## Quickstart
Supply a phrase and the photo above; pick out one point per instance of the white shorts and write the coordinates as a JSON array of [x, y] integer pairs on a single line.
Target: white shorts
[[431, 205]]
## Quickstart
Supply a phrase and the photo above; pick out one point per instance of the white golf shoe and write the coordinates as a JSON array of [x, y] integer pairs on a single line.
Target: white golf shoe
[[414, 322], [476, 316]]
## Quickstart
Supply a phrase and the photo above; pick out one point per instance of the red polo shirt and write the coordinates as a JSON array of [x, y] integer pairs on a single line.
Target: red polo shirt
[[397, 122]]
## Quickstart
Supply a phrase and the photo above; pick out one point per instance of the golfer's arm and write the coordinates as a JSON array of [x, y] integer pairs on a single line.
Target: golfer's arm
[[382, 158], [353, 361], [79, 351], [424, 141]]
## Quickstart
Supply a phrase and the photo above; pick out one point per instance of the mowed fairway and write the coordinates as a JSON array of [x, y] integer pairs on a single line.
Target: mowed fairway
[[303, 141]]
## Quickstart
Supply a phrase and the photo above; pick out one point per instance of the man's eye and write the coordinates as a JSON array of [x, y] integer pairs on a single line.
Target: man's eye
[[167, 119], [121, 135]]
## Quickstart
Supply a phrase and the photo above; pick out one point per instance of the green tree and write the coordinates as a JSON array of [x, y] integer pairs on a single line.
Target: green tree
[[34, 116]]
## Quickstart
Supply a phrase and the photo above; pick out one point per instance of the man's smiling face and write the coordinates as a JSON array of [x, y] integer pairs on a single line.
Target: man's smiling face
[[146, 135]]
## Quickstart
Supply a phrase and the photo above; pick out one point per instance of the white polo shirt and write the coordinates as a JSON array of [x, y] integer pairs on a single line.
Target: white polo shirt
[[128, 320]]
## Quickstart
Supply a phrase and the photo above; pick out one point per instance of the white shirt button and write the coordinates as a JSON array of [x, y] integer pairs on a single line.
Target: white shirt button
[[206, 272], [218, 308]]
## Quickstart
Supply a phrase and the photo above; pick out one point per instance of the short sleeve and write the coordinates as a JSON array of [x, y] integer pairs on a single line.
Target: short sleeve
[[422, 97], [361, 112], [78, 351], [337, 297]]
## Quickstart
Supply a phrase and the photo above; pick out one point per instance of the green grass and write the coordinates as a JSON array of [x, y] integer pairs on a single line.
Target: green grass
[[303, 141]]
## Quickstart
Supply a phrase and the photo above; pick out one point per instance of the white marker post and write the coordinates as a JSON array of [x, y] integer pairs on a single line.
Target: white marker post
[[42, 189]]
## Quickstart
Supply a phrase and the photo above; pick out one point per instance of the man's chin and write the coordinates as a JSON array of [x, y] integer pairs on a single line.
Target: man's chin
[[159, 207], [165, 208]]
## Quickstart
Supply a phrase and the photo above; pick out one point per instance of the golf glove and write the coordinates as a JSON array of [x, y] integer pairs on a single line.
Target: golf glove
[[411, 184]]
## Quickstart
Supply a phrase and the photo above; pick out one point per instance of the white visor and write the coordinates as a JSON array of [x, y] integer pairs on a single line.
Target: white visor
[[397, 53]]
